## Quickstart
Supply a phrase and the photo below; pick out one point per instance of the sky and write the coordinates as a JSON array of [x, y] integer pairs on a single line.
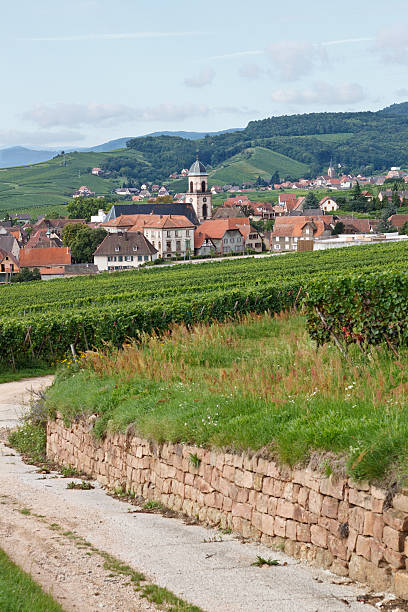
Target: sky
[[81, 72]]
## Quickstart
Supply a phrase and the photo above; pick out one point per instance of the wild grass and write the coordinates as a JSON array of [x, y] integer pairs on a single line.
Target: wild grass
[[256, 384], [18, 592]]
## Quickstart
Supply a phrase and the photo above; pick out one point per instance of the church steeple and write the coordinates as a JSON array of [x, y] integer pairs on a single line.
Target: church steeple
[[331, 171], [198, 193]]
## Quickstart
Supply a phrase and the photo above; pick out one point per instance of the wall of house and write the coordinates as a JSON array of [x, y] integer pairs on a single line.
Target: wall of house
[[103, 264], [355, 530]]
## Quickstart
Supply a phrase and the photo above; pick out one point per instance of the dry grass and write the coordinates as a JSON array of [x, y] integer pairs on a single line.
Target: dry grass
[[258, 383]]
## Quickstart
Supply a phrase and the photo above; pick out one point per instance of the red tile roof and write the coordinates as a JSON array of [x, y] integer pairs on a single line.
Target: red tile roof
[[36, 258], [216, 228], [398, 220]]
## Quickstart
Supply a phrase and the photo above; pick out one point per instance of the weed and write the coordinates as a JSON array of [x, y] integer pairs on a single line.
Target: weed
[[194, 460], [261, 562], [69, 472], [225, 531], [152, 505], [82, 486], [25, 511]]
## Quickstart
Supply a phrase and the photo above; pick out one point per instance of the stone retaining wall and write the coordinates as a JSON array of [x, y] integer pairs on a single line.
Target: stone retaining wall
[[354, 529]]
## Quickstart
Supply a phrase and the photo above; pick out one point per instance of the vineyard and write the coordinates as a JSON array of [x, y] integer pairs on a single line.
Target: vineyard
[[39, 321]]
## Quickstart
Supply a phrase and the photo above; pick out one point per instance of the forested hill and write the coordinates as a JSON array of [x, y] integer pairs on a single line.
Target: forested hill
[[363, 142]]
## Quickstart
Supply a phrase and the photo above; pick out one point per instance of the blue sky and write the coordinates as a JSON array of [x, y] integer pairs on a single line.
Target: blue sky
[[86, 71]]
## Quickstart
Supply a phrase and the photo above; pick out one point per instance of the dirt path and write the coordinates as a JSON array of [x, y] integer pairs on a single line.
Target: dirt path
[[200, 565]]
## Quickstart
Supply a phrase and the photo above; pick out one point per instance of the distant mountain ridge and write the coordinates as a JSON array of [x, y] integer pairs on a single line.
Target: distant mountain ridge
[[10, 157]]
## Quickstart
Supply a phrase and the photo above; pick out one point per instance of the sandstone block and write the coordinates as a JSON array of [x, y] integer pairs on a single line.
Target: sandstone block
[[280, 526], [396, 519], [291, 529], [339, 567], [373, 525], [395, 559], [360, 498], [303, 496], [400, 502], [285, 509], [229, 472], [312, 480], [363, 547], [332, 487], [315, 502], [393, 539], [258, 481], [257, 520], [401, 584], [267, 486], [352, 539], [267, 524], [318, 536], [242, 510], [302, 532], [337, 547], [356, 519], [261, 502], [330, 507]]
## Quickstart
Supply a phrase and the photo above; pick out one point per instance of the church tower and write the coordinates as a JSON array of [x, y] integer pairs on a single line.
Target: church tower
[[198, 193], [331, 172]]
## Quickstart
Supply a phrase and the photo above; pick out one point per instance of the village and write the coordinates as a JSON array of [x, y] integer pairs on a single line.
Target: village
[[150, 231]]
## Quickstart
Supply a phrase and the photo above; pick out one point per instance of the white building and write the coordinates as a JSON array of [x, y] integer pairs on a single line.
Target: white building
[[124, 252], [198, 193], [100, 217]]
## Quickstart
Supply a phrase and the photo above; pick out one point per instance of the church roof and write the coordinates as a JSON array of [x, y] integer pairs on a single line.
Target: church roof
[[197, 169]]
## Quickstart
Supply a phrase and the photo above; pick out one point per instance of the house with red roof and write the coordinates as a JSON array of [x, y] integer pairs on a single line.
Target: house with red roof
[[44, 258], [289, 231], [8, 265], [220, 236]]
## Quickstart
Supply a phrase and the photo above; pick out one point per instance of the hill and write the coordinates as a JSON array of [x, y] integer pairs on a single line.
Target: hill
[[19, 156], [295, 146]]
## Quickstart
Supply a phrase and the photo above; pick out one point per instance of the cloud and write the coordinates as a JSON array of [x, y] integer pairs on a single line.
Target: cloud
[[402, 93], [345, 41], [392, 44], [203, 78], [43, 138], [117, 36], [294, 60], [236, 54], [321, 93], [105, 115], [250, 71]]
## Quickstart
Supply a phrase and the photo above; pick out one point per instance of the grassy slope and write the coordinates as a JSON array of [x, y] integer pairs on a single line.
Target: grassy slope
[[256, 162], [258, 383], [19, 593], [26, 188]]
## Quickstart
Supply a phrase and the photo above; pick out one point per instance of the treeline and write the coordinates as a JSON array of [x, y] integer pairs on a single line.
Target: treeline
[[367, 142]]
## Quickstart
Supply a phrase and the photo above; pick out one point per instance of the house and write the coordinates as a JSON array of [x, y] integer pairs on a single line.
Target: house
[[83, 192], [398, 220], [216, 189], [124, 251], [241, 200], [290, 201], [100, 217], [56, 226], [144, 193], [8, 265], [44, 239], [162, 192], [44, 258], [262, 210], [68, 271], [224, 235], [155, 188], [155, 208], [252, 238], [9, 243], [328, 204], [356, 226], [171, 235], [97, 171], [288, 231], [227, 213]]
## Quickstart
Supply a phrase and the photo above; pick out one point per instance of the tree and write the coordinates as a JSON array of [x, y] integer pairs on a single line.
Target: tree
[[26, 275], [385, 226], [338, 228], [311, 200], [84, 208], [275, 178], [356, 191], [404, 229], [82, 240], [395, 200]]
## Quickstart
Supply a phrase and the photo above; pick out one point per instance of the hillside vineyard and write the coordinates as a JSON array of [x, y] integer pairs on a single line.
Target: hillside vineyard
[[88, 312]]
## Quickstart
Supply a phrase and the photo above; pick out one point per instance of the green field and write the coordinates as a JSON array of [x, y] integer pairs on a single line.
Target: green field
[[19, 593], [34, 188], [251, 163]]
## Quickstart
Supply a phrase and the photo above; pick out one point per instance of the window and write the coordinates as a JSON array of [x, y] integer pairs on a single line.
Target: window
[[159, 246], [277, 247], [176, 233], [139, 258], [168, 246], [191, 187], [117, 249], [146, 258], [178, 245], [187, 245], [120, 258], [203, 186], [135, 248]]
